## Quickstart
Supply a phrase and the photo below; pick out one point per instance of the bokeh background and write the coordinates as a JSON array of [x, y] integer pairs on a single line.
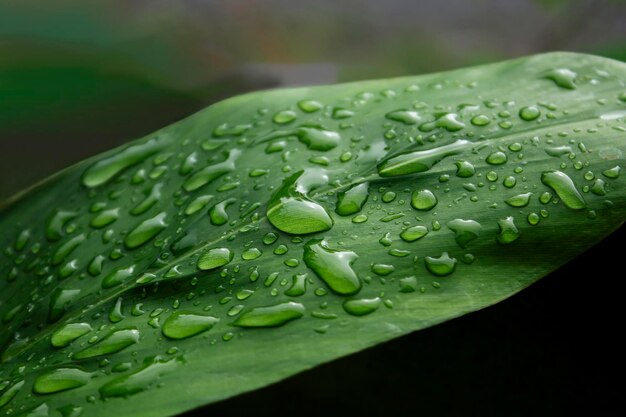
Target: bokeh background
[[81, 76]]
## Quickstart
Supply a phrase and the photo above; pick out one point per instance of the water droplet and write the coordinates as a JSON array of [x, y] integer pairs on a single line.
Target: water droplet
[[408, 117], [60, 379], [218, 214], [95, 266], [107, 168], [198, 204], [386, 239], [388, 197], [339, 113], [529, 113], [68, 247], [226, 130], [420, 161], [67, 333], [183, 324], [270, 316], [332, 266], [138, 381], [22, 240], [441, 266], [413, 233], [361, 218], [612, 173], [464, 169], [533, 219], [318, 139], [508, 231], [520, 200], [290, 211], [565, 188], [270, 238], [59, 302], [480, 120], [383, 269], [70, 410], [496, 158], [118, 276], [361, 307], [153, 196], [399, 253], [145, 231], [563, 77], [298, 286], [105, 218], [212, 172], [557, 151], [465, 231], [423, 200], [9, 393], [309, 106], [509, 182], [352, 201], [112, 343], [284, 117], [215, 258], [54, 229], [251, 253], [598, 187], [448, 121], [408, 284], [115, 315]]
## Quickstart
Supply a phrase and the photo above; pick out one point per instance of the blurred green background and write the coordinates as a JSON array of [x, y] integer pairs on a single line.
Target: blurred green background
[[81, 76]]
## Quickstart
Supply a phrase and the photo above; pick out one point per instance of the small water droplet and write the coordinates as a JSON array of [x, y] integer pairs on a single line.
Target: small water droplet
[[529, 113], [465, 231], [212, 172], [352, 201], [60, 379], [480, 120], [215, 258], [496, 158], [563, 77], [520, 200], [508, 231], [464, 169], [183, 324], [67, 333], [420, 161], [309, 106], [408, 117], [138, 381], [612, 173], [413, 233], [112, 343]]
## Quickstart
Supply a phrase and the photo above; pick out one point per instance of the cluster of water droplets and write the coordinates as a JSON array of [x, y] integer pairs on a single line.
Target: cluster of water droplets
[[182, 232]]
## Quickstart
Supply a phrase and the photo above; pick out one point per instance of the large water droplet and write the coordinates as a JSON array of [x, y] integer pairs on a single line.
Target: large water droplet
[[420, 161], [565, 188], [145, 231], [153, 196], [520, 200], [423, 200], [413, 233], [318, 139], [563, 77], [508, 231], [107, 168], [182, 324], [352, 200], [361, 307], [215, 258], [465, 231], [270, 316], [118, 276], [138, 381], [441, 266], [332, 266], [111, 343], [60, 379], [408, 117], [218, 214], [529, 113], [496, 158], [212, 172], [68, 333]]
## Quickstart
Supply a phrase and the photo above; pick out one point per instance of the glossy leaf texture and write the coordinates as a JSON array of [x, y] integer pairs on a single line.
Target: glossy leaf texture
[[279, 230]]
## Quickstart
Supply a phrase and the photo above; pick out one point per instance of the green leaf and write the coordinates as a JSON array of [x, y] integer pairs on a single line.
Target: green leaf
[[279, 230]]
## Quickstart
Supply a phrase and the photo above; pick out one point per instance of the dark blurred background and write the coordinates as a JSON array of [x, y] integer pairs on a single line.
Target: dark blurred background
[[78, 77]]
